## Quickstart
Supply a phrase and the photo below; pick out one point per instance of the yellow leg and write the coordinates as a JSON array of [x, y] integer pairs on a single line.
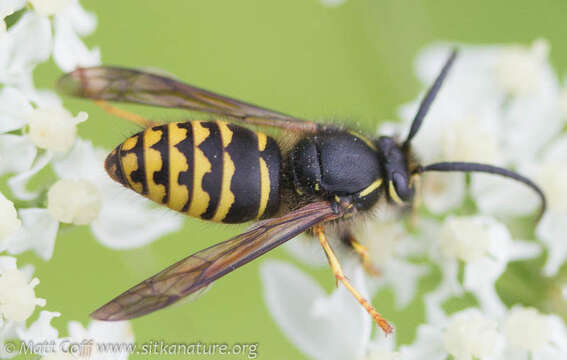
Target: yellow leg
[[339, 275], [136, 119], [362, 251]]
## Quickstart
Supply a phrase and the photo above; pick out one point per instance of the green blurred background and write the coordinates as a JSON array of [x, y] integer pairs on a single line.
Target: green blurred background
[[353, 62]]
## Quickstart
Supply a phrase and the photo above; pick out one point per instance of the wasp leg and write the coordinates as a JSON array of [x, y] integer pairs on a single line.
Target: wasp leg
[[362, 252], [339, 275], [135, 118]]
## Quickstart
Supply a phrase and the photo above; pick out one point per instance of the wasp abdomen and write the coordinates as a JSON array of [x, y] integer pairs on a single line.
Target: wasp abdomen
[[208, 169]]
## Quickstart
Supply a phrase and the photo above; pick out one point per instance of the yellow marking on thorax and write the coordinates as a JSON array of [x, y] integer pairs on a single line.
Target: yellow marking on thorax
[[393, 193], [363, 138], [262, 141], [178, 194], [226, 197], [154, 163], [370, 188], [200, 200], [129, 165]]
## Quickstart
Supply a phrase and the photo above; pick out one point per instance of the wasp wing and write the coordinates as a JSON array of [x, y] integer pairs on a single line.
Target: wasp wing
[[202, 268], [129, 85]]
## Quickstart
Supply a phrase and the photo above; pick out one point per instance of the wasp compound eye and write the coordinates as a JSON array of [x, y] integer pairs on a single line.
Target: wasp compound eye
[[401, 187]]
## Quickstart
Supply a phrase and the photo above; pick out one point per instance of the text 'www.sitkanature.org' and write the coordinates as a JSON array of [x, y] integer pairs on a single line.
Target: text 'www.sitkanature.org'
[[87, 348]]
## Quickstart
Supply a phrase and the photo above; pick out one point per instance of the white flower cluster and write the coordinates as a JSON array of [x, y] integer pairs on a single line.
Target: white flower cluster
[[81, 343], [501, 105], [38, 133]]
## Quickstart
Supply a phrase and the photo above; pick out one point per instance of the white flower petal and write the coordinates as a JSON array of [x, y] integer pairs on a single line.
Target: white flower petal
[[526, 132], [551, 175], [110, 331], [468, 93], [321, 326], [7, 263], [557, 151], [128, 221], [381, 238], [442, 192], [9, 222], [472, 138], [44, 98], [403, 277], [103, 332], [16, 154], [69, 52], [8, 7], [558, 332], [38, 233], [449, 287], [83, 22], [41, 329], [60, 355], [84, 161], [308, 250], [551, 231], [26, 44], [480, 278], [521, 250], [14, 108], [382, 348], [521, 70], [527, 329], [390, 128], [9, 330], [496, 195], [470, 74], [28, 271], [471, 334], [537, 96], [49, 7], [18, 183], [465, 238], [427, 345]]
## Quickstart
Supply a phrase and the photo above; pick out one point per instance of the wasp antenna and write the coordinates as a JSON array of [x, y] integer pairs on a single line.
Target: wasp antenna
[[429, 97], [489, 169]]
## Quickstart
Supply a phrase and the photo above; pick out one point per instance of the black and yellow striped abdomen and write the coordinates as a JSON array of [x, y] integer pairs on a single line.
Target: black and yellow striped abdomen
[[208, 169]]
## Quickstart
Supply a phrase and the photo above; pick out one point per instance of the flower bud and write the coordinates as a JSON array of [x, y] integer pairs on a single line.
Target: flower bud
[[74, 201], [54, 128]]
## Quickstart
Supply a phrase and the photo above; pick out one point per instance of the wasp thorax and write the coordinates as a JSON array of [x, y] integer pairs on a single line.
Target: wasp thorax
[[336, 163]]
